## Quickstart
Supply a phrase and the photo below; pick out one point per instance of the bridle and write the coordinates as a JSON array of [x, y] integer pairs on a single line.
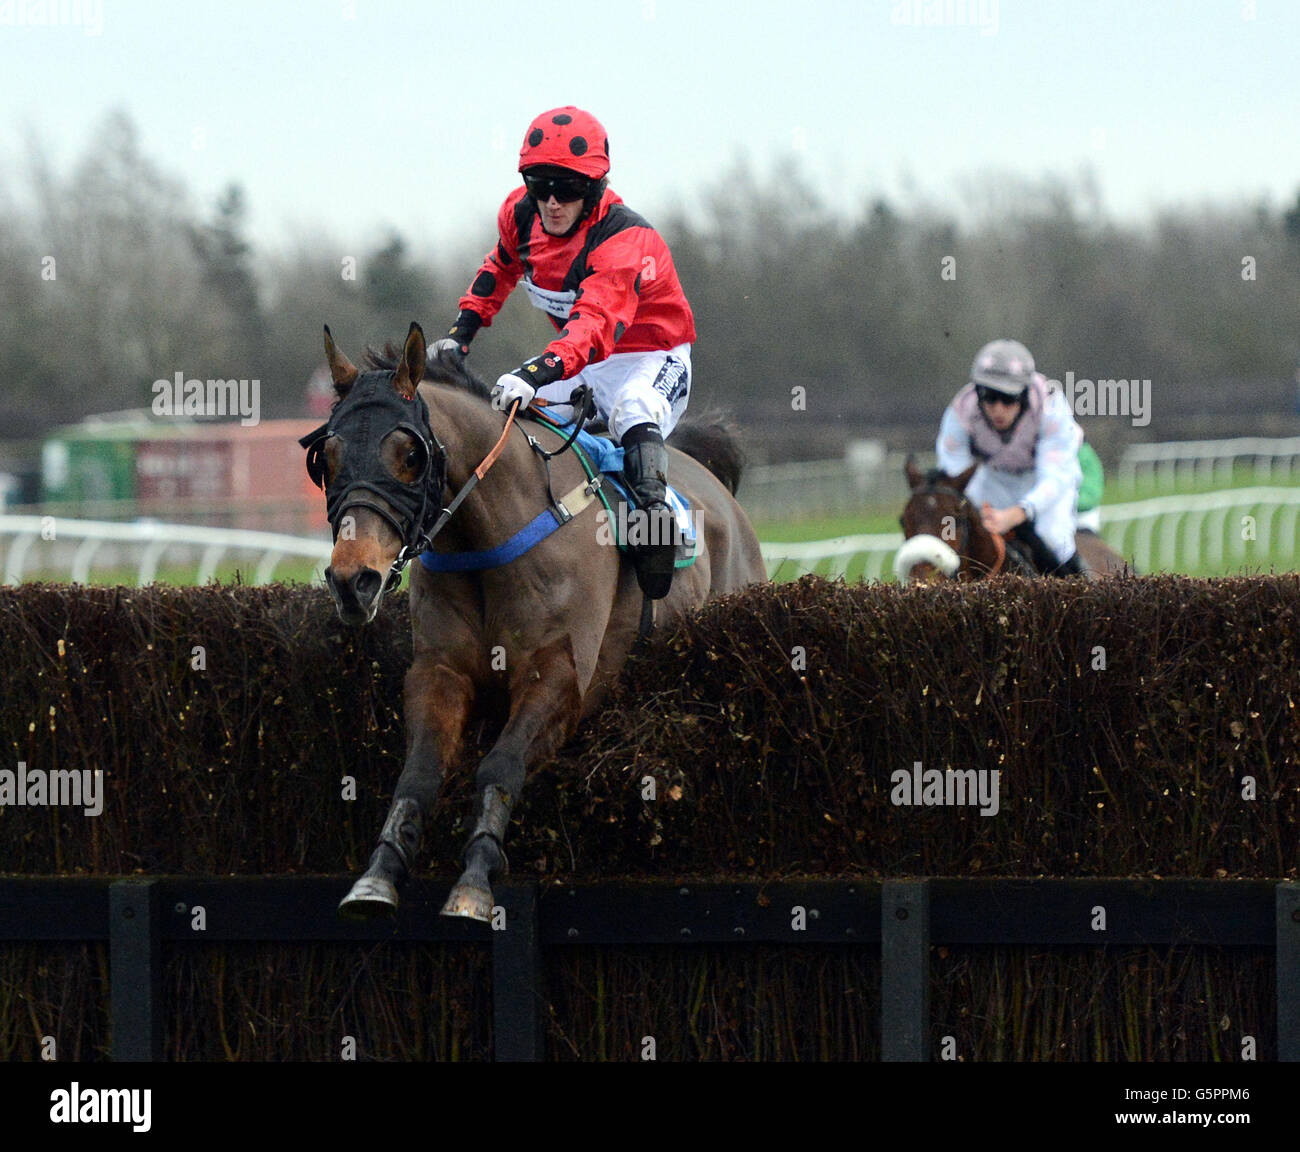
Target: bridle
[[418, 524], [965, 511], [417, 503]]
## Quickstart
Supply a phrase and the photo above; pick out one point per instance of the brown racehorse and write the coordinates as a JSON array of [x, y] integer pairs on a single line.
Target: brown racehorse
[[537, 640], [944, 535]]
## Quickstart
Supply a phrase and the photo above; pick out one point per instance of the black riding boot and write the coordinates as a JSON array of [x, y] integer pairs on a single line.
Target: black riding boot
[[654, 538], [1071, 567], [1044, 558]]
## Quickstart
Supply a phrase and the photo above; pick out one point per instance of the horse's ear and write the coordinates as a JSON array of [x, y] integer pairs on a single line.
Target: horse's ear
[[342, 370], [914, 476], [411, 369], [963, 478]]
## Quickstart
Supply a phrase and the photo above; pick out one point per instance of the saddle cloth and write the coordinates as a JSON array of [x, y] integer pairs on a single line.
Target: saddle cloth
[[607, 457]]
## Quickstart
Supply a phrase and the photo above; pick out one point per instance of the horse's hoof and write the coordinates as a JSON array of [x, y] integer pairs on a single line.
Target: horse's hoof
[[470, 899], [370, 898]]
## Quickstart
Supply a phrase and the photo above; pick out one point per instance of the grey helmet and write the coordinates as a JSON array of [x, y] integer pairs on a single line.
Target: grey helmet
[[1005, 366]]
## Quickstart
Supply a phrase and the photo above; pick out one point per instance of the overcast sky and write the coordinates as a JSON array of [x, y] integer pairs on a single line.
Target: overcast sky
[[354, 116]]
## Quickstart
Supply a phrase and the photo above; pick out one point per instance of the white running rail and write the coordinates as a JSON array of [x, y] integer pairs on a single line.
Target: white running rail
[[21, 536], [832, 558], [837, 487], [1175, 461], [1211, 530], [1165, 533]]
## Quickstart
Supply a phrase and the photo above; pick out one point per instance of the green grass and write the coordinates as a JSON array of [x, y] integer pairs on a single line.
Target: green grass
[[288, 571], [1243, 477], [1260, 556], [826, 528]]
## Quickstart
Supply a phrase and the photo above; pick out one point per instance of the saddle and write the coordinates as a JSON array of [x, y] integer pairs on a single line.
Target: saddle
[[601, 457], [601, 460]]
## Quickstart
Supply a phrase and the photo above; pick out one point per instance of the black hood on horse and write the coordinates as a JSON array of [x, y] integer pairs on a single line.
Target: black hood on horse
[[363, 419]]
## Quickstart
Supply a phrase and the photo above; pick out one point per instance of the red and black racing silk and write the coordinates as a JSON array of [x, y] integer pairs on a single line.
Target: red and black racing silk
[[609, 287]]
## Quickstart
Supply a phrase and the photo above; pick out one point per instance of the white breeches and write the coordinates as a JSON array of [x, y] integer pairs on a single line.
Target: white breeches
[[630, 388]]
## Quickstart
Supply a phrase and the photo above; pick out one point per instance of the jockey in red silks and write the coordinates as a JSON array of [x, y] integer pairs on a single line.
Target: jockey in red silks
[[606, 280], [1026, 442]]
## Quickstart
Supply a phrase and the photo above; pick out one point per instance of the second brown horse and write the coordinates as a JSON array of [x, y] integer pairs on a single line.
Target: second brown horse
[[944, 536]]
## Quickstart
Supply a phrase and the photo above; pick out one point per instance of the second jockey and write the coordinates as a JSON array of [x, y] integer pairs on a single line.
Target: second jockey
[[1026, 442], [606, 281]]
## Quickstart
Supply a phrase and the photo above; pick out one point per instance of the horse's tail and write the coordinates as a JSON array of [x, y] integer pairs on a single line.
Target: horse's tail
[[713, 440]]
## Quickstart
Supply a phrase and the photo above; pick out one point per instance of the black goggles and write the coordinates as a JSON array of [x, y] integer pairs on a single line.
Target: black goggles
[[993, 396], [566, 189]]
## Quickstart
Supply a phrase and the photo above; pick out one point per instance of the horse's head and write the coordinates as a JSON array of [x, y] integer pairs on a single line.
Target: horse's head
[[940, 525], [383, 472]]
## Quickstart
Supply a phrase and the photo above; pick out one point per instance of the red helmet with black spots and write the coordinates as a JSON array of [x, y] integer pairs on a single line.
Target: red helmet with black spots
[[568, 138]]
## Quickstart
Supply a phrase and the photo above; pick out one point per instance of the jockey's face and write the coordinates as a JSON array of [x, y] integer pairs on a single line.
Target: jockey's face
[[558, 218], [1001, 413]]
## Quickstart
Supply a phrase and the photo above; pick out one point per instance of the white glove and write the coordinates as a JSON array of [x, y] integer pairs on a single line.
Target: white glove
[[510, 388]]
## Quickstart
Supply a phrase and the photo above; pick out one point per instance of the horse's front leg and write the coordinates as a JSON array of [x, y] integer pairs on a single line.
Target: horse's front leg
[[438, 702], [545, 703]]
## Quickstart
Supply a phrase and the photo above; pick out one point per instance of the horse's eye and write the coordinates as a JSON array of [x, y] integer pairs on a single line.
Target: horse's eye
[[413, 458]]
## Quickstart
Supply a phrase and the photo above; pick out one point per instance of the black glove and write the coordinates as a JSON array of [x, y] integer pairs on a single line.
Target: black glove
[[456, 342], [541, 370]]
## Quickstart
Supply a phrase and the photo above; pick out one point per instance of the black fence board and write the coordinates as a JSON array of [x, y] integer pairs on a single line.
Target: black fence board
[[136, 915], [135, 966], [1005, 911], [53, 908], [303, 908], [1288, 972], [905, 971], [811, 912], [518, 986]]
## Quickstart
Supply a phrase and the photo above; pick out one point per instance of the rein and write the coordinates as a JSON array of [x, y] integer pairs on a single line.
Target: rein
[[413, 533], [415, 537], [585, 409], [1000, 543], [557, 513], [422, 542]]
